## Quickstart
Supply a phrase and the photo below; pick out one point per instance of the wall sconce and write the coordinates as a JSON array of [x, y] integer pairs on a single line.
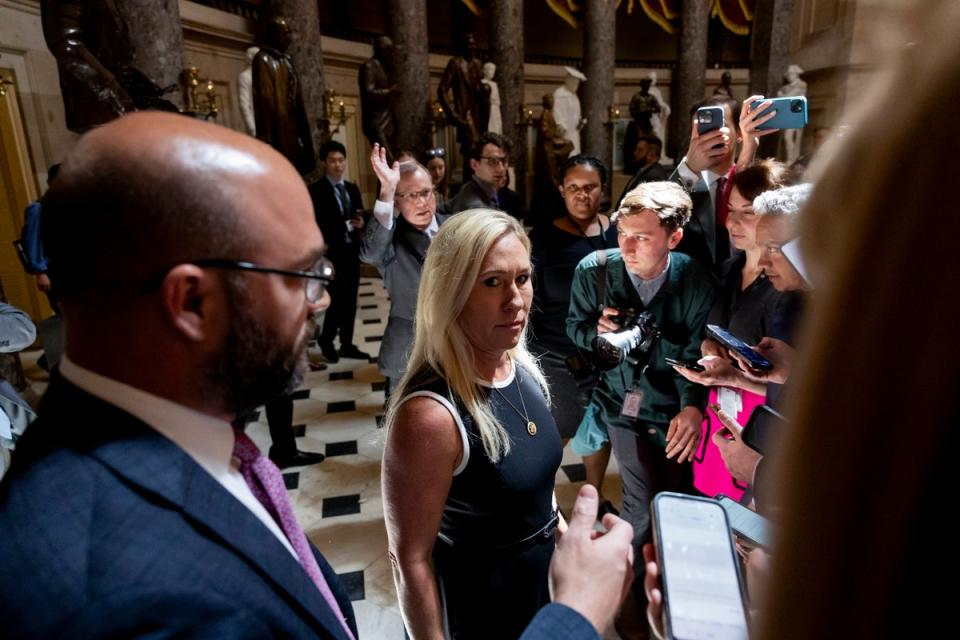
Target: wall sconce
[[203, 103], [336, 107], [613, 114], [3, 86], [525, 117]]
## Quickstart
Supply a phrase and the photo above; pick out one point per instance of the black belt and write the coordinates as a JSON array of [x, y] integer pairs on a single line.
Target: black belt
[[542, 535]]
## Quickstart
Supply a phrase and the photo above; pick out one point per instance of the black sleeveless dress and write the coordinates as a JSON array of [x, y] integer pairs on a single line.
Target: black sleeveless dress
[[496, 538]]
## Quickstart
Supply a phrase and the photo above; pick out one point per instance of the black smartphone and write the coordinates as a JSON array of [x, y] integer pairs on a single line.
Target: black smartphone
[[708, 119], [731, 341], [762, 427], [693, 366], [699, 569], [747, 524]]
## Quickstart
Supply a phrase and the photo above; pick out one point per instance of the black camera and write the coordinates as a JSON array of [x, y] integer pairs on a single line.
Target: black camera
[[796, 106], [637, 334]]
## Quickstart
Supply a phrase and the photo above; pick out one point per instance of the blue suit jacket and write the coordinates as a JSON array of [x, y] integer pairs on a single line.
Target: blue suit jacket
[[109, 529]]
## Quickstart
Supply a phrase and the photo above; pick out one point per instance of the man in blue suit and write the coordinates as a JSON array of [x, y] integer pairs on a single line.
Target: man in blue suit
[[189, 264]]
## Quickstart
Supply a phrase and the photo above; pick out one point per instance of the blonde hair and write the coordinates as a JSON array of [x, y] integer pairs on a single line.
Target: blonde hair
[[867, 476], [449, 275], [667, 199]]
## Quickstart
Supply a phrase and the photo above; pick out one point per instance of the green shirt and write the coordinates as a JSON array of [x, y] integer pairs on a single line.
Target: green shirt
[[680, 308]]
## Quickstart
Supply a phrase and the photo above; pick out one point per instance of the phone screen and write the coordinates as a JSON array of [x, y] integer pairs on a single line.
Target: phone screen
[[701, 584], [746, 523]]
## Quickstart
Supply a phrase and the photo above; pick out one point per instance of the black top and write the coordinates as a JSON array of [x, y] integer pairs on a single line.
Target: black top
[[750, 314], [556, 254], [492, 505]]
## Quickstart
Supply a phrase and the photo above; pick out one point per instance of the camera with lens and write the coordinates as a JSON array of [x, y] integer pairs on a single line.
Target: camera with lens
[[796, 106], [636, 335]]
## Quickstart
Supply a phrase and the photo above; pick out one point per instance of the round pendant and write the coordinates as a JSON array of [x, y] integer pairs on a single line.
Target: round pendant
[[532, 428]]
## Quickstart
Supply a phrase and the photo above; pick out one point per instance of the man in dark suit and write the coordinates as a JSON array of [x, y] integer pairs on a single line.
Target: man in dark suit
[[646, 155], [489, 160], [189, 265], [339, 211]]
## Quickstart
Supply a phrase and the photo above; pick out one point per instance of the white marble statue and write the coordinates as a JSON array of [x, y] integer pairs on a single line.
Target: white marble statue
[[245, 89], [566, 107], [659, 120], [794, 87], [494, 123]]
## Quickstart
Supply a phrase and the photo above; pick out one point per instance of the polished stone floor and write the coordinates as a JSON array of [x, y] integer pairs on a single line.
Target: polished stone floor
[[339, 412]]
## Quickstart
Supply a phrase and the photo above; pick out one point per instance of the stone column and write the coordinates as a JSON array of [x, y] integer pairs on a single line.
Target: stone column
[[307, 56], [506, 35], [411, 69], [690, 77], [157, 39], [599, 61], [770, 48]]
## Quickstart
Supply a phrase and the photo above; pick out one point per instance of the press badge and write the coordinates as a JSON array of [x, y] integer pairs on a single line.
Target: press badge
[[730, 401], [631, 403]]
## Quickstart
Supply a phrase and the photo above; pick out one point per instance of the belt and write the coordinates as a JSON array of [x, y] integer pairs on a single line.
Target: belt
[[544, 534]]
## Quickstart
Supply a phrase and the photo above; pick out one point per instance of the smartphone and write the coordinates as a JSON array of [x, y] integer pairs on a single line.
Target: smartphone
[[762, 428], [747, 524], [708, 119], [699, 570], [791, 112], [731, 341], [693, 366]]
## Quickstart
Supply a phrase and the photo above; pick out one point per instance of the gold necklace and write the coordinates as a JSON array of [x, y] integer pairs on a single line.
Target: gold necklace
[[531, 425]]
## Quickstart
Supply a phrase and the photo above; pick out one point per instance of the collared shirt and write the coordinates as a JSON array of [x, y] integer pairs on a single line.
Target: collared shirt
[[646, 289], [709, 178], [383, 212], [208, 440]]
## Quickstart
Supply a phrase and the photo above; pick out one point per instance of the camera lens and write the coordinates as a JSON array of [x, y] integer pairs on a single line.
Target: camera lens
[[706, 117], [796, 106]]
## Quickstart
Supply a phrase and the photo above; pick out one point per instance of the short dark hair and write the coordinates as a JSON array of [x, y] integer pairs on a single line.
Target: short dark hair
[[762, 175], [489, 137], [331, 146], [583, 160], [652, 141], [721, 101]]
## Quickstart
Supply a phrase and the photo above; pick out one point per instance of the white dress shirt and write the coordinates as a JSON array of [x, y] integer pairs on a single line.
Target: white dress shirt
[[208, 440]]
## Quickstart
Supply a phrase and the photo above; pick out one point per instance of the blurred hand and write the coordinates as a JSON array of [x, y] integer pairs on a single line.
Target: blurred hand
[[591, 571], [389, 176], [701, 153], [43, 282], [740, 460], [683, 434], [718, 372], [606, 324], [651, 585], [357, 221], [712, 348], [779, 353]]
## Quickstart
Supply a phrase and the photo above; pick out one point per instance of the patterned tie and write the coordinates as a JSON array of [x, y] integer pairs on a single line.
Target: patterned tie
[[266, 483]]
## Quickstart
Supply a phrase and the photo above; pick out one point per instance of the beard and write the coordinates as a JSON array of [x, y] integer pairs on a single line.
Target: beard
[[255, 366]]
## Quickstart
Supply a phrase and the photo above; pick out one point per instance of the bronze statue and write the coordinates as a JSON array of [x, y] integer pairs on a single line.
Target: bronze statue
[[552, 147], [460, 91], [724, 88], [643, 107], [378, 93], [281, 118], [94, 54]]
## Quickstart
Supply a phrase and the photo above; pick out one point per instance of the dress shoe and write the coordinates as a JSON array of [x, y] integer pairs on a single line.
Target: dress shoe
[[329, 353], [298, 459], [351, 351]]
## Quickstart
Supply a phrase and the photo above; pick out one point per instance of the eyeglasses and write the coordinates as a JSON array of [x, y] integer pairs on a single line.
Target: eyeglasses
[[315, 280], [773, 249], [414, 196], [576, 189], [495, 161]]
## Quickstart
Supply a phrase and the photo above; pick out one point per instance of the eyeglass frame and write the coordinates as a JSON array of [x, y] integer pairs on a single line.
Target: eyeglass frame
[[324, 277], [496, 161], [423, 195]]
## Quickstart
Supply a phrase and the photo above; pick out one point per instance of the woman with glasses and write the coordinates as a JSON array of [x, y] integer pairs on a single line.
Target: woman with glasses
[[472, 450], [557, 249], [405, 220]]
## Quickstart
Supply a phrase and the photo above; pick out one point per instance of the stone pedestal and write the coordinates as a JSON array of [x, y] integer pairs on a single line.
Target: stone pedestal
[[690, 78], [507, 51], [408, 29], [157, 40], [307, 56], [599, 62]]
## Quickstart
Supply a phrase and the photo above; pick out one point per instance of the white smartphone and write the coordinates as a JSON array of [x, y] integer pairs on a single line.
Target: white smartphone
[[699, 571]]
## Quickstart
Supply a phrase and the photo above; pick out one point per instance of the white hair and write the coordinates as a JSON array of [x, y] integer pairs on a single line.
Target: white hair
[[787, 201]]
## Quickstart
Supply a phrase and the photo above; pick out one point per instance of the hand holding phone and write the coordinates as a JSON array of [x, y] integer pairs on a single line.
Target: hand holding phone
[[732, 342], [790, 112], [692, 366]]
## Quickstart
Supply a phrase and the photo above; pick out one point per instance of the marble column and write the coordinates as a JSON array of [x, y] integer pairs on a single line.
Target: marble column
[[690, 76], [506, 44], [407, 27], [157, 40], [599, 62], [770, 47], [304, 21]]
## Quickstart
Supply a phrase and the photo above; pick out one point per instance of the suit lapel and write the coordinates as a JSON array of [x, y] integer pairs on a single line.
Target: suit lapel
[[143, 458], [703, 215]]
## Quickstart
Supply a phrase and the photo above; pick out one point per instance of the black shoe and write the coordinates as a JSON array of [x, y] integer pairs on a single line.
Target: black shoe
[[299, 459], [605, 508], [351, 351], [329, 353]]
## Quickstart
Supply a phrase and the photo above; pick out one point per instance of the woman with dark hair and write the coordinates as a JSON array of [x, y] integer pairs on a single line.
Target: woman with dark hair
[[435, 160], [558, 248]]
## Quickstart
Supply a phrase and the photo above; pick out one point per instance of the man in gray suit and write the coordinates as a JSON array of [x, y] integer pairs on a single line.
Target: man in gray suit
[[397, 246]]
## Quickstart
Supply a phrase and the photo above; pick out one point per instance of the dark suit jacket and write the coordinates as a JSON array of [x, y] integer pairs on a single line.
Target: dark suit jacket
[[700, 234], [470, 196], [332, 225], [112, 530]]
